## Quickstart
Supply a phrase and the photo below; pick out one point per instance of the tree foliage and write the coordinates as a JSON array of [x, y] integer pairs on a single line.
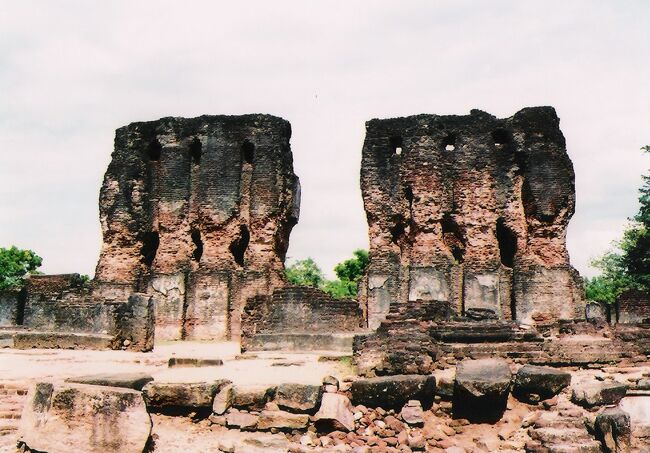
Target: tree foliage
[[15, 264], [307, 273], [629, 266], [352, 269]]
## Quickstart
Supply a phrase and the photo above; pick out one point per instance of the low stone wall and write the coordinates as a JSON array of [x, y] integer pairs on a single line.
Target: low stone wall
[[61, 303], [633, 307], [299, 309], [59, 310]]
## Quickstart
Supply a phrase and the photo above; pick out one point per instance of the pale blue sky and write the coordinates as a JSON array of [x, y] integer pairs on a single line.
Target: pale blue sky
[[71, 72]]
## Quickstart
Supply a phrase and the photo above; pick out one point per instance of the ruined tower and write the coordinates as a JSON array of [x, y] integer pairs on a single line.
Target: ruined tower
[[470, 211], [197, 212]]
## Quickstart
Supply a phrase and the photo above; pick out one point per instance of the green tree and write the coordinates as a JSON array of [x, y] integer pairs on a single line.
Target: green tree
[[339, 289], [305, 273], [349, 272], [15, 264], [612, 281], [636, 240], [629, 267], [352, 270]]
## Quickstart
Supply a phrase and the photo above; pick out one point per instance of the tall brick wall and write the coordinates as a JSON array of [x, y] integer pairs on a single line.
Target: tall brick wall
[[471, 211], [197, 212]]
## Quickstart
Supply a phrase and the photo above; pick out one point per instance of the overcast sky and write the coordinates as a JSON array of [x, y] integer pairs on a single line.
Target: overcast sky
[[71, 72]]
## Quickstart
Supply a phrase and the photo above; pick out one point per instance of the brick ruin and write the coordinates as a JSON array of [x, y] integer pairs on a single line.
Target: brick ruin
[[470, 212], [197, 213], [196, 216], [468, 292], [467, 224]]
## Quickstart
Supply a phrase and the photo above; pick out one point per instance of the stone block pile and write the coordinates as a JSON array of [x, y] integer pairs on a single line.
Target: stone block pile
[[480, 407]]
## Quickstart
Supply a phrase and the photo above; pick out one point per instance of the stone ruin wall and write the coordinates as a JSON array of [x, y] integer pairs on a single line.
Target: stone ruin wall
[[470, 211], [197, 212], [298, 310], [632, 307]]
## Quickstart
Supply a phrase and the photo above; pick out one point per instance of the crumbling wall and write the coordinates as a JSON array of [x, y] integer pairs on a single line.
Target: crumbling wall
[[633, 307], [197, 213], [65, 304], [299, 309], [10, 307], [471, 211], [62, 303]]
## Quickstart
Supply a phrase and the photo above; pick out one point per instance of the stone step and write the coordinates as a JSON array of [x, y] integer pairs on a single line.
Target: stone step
[[9, 425], [514, 350], [561, 423], [559, 435], [584, 446], [302, 342], [12, 414], [482, 332], [13, 402]]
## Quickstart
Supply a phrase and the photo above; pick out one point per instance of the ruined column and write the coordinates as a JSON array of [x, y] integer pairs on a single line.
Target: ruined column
[[197, 212], [470, 211]]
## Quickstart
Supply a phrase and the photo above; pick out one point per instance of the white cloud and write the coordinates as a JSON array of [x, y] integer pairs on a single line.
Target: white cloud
[[72, 71]]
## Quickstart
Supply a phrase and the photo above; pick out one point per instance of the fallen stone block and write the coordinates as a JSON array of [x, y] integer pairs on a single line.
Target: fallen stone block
[[252, 397], [481, 389], [69, 417], [298, 397], [335, 413], [598, 394], [613, 429], [392, 392], [538, 380], [282, 420], [242, 420], [166, 396], [135, 381]]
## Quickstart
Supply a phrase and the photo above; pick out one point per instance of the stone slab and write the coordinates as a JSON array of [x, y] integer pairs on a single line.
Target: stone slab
[[133, 381], [67, 417]]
